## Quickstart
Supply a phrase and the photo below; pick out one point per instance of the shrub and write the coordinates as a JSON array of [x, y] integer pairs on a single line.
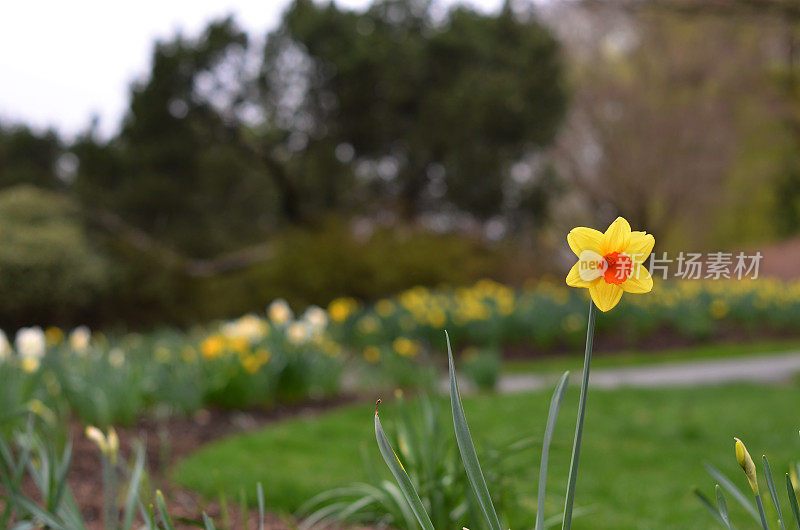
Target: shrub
[[49, 271], [316, 266]]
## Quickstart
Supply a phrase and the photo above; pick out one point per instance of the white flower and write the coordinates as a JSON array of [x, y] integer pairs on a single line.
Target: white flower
[[248, 327], [279, 311], [298, 333], [30, 342], [79, 339], [116, 357], [316, 318], [5, 347]]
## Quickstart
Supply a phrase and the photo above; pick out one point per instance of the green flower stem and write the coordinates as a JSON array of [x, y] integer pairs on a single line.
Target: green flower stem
[[576, 446], [761, 512], [111, 515]]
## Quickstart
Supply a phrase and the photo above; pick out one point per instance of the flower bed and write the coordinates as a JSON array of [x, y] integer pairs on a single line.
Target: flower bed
[[276, 358]]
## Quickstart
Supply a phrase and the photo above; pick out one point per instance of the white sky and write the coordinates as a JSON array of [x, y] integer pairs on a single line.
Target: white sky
[[61, 62]]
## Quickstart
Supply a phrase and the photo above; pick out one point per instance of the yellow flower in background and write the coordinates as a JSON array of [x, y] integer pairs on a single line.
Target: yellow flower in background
[[53, 336], [212, 347], [437, 318], [372, 354], [718, 309], [279, 311], [298, 333], [251, 364], [249, 327], [406, 347], [341, 308], [610, 263], [239, 345], [29, 364], [384, 308], [79, 339], [263, 356]]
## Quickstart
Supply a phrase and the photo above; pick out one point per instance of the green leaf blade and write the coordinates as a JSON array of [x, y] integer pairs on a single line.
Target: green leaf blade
[[467, 448], [400, 475], [552, 416], [722, 506], [772, 491], [731, 488]]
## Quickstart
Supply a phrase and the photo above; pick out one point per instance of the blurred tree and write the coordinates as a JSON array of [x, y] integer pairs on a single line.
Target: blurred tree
[[27, 157], [759, 41], [177, 170], [673, 119], [432, 110], [397, 109]]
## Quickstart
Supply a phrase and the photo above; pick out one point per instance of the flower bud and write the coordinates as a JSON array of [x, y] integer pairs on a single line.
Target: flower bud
[[41, 410], [97, 436], [113, 445], [746, 462]]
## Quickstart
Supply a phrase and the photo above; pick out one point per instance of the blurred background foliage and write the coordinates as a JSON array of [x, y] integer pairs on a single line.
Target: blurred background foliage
[[361, 152]]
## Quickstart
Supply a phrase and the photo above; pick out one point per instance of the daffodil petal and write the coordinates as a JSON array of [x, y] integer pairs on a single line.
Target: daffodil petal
[[640, 246], [582, 238], [605, 295], [574, 277], [639, 281], [617, 237]]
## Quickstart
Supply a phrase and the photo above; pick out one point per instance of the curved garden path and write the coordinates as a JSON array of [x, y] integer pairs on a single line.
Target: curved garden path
[[771, 368]]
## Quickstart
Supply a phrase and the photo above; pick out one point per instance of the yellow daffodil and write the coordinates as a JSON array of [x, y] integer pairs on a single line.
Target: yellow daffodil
[[279, 312], [212, 347], [79, 339], [29, 364], [372, 354], [406, 347], [341, 309], [251, 364], [610, 263], [53, 336]]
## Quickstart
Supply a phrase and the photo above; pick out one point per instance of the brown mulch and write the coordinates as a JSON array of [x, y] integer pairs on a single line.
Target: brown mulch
[[168, 441]]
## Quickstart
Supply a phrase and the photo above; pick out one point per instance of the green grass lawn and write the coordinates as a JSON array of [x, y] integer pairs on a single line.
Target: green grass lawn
[[643, 450], [559, 364]]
